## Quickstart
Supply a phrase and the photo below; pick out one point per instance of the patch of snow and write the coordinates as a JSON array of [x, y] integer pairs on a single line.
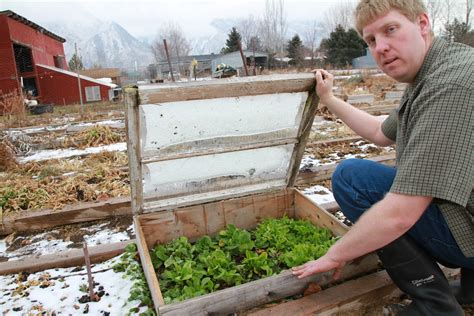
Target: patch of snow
[[106, 236], [69, 174], [307, 163], [66, 153], [319, 194], [62, 296], [44, 243], [39, 246]]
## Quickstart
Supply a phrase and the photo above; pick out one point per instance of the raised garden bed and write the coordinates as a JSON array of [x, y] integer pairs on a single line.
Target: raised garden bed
[[231, 158]]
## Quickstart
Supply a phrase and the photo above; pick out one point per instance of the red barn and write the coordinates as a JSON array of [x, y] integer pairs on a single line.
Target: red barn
[[32, 59]]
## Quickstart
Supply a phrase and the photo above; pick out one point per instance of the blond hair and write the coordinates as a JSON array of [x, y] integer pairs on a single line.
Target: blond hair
[[369, 10]]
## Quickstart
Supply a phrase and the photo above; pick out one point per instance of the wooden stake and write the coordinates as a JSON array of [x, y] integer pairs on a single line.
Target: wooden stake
[[89, 273]]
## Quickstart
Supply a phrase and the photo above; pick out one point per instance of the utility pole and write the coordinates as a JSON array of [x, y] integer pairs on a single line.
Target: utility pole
[[79, 80], [244, 60], [169, 60]]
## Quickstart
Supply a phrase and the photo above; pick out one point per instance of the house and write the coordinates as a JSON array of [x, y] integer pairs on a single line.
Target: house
[[183, 65], [100, 73], [32, 60], [234, 60], [366, 61]]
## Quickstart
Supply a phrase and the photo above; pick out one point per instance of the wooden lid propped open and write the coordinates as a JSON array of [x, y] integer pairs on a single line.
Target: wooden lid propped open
[[196, 142]]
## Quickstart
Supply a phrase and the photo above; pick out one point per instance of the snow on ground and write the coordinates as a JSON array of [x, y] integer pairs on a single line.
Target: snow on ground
[[70, 152], [319, 194], [57, 292], [45, 243], [34, 130], [106, 236]]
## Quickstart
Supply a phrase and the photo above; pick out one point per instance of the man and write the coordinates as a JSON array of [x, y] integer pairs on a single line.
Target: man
[[422, 211]]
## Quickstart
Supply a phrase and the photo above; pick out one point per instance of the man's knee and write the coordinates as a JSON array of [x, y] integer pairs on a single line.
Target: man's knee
[[344, 172]]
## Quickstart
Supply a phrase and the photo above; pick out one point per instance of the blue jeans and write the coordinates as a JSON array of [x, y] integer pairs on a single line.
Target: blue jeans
[[358, 184]]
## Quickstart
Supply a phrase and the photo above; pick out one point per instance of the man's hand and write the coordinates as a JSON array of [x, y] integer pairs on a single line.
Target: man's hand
[[324, 84], [323, 264]]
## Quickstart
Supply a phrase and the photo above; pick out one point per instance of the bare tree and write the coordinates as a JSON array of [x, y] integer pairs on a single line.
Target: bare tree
[[178, 45], [434, 8], [449, 9], [248, 29], [469, 4], [310, 37], [273, 26], [341, 13]]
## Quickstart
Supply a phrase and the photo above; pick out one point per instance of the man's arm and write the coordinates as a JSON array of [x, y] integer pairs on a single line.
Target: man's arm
[[364, 124], [380, 225]]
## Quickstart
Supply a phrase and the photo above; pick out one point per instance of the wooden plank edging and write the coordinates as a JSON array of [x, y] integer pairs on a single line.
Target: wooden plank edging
[[63, 259]]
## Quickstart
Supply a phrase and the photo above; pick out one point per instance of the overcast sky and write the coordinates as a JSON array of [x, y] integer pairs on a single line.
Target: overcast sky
[[143, 17]]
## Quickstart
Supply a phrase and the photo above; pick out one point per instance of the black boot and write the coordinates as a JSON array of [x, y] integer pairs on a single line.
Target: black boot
[[417, 274], [464, 288]]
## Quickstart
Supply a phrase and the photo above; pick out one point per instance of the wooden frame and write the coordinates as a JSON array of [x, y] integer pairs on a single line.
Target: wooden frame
[[155, 97], [163, 216], [245, 212]]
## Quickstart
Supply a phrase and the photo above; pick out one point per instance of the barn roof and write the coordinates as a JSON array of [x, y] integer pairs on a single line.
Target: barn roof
[[101, 72], [73, 74], [31, 24]]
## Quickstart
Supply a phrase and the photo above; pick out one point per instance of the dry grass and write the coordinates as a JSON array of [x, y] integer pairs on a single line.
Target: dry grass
[[69, 113], [7, 156], [56, 183], [367, 83], [98, 135], [12, 107]]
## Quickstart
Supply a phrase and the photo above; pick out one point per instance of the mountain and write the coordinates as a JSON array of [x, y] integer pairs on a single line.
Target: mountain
[[108, 44], [103, 43], [115, 47]]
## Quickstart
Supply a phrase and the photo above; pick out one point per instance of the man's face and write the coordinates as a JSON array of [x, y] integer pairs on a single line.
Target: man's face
[[398, 45]]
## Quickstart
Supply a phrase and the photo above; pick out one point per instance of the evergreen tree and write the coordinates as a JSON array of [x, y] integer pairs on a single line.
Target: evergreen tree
[[342, 46], [457, 31], [233, 42], [295, 51], [75, 63]]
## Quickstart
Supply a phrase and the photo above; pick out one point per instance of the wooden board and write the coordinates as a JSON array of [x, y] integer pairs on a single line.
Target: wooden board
[[244, 212], [325, 172], [362, 296], [355, 293], [63, 259], [234, 87], [28, 221]]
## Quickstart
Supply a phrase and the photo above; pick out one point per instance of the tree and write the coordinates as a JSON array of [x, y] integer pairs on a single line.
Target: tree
[[469, 6], [342, 46], [232, 43], [295, 51], [434, 8], [340, 14], [273, 26], [457, 31], [255, 44], [449, 6], [310, 37], [248, 29], [75, 63], [177, 43]]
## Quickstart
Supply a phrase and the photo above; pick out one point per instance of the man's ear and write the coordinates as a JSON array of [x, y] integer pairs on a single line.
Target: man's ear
[[424, 23]]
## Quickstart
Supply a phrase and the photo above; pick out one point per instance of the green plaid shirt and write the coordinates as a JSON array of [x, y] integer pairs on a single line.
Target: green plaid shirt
[[434, 128]]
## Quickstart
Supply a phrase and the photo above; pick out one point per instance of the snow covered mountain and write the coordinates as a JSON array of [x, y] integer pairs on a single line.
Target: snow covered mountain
[[108, 44], [103, 43]]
